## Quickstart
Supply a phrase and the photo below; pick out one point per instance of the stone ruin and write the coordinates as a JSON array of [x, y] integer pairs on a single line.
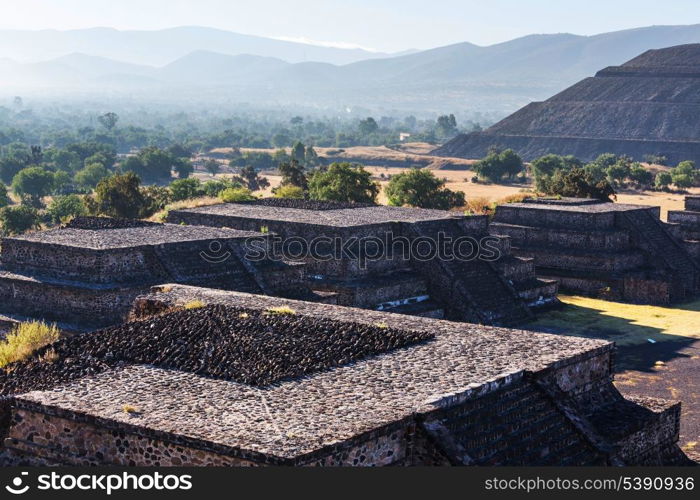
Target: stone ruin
[[267, 381], [88, 273], [688, 223], [611, 250], [500, 291]]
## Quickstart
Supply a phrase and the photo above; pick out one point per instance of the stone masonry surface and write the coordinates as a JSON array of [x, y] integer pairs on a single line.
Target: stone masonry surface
[[294, 417]]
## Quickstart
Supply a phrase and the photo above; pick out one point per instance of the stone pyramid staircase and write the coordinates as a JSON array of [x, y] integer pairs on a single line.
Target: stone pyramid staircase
[[473, 290]]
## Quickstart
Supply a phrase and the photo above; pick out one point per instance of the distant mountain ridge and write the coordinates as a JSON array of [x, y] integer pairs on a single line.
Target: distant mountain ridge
[[160, 47], [498, 78]]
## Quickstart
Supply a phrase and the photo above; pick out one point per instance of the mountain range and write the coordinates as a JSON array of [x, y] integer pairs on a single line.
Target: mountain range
[[217, 64]]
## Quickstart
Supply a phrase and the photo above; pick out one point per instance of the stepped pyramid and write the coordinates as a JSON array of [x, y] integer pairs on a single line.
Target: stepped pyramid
[[647, 106]]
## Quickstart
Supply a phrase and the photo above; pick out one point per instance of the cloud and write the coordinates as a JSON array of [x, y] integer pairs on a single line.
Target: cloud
[[323, 43]]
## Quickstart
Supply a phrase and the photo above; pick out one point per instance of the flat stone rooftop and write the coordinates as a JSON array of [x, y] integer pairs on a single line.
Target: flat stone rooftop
[[342, 217], [583, 205], [293, 417], [151, 235]]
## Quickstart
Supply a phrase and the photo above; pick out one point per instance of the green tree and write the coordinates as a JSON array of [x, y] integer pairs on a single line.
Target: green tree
[[18, 219], [446, 126], [4, 196], [311, 158], [576, 183], [344, 182], [62, 208], [618, 171], [212, 166], [497, 165], [62, 182], [543, 169], [663, 180], [368, 126], [251, 179], [641, 177], [32, 184], [88, 177], [152, 165], [119, 196], [9, 167], [420, 188], [183, 167], [108, 120], [606, 160], [185, 189], [293, 174], [298, 152]]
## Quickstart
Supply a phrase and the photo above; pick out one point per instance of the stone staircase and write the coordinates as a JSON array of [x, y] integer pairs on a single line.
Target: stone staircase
[[188, 263], [514, 427], [473, 290], [651, 234], [532, 422]]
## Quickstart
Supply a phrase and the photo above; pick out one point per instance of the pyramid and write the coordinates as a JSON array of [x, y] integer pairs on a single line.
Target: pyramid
[[647, 106]]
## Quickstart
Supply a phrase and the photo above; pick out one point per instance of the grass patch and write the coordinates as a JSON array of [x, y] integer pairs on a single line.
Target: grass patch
[[281, 311], [203, 201], [194, 304], [626, 324], [130, 409], [26, 338]]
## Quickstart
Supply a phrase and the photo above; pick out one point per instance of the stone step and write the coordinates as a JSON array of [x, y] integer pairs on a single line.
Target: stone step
[[371, 291], [599, 239], [424, 308]]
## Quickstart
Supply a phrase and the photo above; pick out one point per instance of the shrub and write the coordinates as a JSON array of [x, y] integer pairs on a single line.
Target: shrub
[[63, 208], [479, 205], [289, 191], [214, 187], [185, 189], [236, 195], [18, 219], [26, 338]]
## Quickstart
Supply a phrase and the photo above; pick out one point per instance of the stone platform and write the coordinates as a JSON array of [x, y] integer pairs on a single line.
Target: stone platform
[[377, 389], [610, 250], [688, 222], [88, 274], [391, 275]]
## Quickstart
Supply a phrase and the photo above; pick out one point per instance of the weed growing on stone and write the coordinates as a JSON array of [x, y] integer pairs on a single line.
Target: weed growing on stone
[[281, 310], [26, 338]]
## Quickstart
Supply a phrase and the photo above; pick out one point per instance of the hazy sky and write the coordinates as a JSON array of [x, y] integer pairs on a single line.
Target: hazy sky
[[387, 25]]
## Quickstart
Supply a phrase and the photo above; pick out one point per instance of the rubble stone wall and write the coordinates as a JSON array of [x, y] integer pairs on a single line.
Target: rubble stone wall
[[81, 305]]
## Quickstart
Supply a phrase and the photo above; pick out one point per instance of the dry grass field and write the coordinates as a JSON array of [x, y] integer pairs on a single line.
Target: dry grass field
[[384, 162]]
